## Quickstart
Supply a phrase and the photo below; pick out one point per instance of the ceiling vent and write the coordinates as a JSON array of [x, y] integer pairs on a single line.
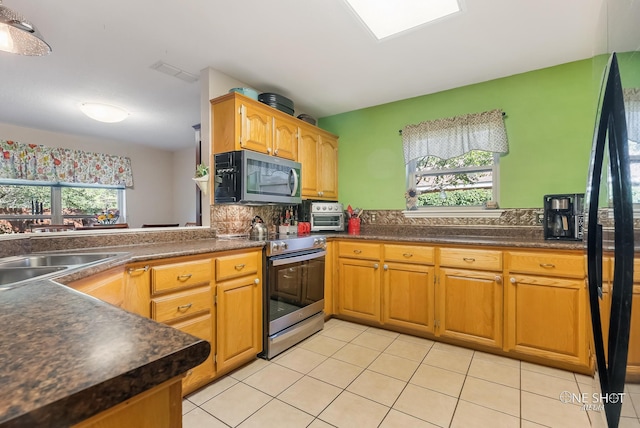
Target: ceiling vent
[[165, 68]]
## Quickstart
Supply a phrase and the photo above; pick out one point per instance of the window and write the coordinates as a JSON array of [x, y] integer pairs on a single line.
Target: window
[[466, 180], [453, 162], [23, 206]]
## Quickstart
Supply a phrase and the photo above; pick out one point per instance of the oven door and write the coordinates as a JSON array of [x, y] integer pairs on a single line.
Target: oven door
[[296, 288], [327, 221]]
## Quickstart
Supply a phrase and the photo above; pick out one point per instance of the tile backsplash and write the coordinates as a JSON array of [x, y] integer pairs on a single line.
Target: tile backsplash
[[226, 219]]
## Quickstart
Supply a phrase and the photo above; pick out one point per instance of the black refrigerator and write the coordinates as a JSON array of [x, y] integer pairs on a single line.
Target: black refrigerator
[[610, 173]]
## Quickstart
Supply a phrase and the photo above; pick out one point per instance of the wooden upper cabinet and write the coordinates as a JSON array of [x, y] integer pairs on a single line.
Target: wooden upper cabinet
[[327, 169], [285, 138], [308, 143]]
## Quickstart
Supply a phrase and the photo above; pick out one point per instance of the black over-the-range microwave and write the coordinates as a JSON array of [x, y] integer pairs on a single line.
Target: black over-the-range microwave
[[247, 177]]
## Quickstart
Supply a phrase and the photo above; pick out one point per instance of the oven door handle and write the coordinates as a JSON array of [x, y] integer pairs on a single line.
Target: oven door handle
[[296, 259]]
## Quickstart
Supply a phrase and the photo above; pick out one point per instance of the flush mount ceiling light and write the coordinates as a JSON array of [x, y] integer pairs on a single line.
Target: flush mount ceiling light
[[104, 112], [386, 18], [19, 36]]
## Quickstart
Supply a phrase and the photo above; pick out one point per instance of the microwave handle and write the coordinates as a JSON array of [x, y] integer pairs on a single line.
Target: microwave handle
[[295, 181]]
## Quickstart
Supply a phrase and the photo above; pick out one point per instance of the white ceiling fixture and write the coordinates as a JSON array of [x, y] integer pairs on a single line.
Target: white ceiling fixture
[[19, 36], [104, 112], [386, 18], [165, 68]]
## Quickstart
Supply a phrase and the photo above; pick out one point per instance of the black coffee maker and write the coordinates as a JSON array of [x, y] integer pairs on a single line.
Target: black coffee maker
[[563, 216]]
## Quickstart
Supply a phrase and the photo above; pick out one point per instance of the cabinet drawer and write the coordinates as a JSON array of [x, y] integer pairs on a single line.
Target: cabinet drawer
[[180, 275], [236, 265], [409, 254], [181, 304], [567, 265], [471, 258], [359, 250]]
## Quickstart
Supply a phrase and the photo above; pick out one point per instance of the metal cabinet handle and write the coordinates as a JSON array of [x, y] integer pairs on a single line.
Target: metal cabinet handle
[[184, 277], [375, 265], [498, 279], [407, 255], [239, 266], [142, 269], [385, 267], [547, 265], [468, 259], [256, 281], [512, 280], [183, 308], [357, 251]]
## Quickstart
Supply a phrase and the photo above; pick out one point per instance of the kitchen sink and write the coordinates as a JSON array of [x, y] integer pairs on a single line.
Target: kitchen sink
[[17, 270], [66, 259], [10, 276]]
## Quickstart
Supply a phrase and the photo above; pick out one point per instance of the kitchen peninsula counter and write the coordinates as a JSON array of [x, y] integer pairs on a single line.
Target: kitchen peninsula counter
[[67, 356]]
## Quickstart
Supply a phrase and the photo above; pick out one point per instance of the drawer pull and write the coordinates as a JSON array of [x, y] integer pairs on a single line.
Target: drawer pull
[[547, 265], [239, 266], [142, 269], [407, 255], [498, 279], [468, 259], [184, 277], [184, 308], [357, 251]]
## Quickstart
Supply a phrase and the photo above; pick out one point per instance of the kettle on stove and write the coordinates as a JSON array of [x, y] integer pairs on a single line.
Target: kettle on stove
[[258, 228]]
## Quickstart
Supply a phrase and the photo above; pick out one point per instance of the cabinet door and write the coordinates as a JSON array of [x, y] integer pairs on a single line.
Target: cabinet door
[[359, 289], [408, 296], [255, 128], [308, 143], [137, 286], [202, 328], [470, 306], [328, 167], [285, 138], [239, 321], [547, 318]]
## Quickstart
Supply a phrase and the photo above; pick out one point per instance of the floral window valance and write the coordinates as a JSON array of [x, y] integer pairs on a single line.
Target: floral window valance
[[454, 136], [632, 111], [20, 161]]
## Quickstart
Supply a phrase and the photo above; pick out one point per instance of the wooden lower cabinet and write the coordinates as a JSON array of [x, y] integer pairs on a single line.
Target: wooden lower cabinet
[[239, 320], [633, 358], [359, 295], [159, 407], [408, 294], [107, 286], [238, 309], [547, 307], [470, 306]]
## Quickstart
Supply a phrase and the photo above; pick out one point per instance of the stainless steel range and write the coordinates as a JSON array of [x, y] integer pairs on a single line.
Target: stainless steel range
[[293, 291]]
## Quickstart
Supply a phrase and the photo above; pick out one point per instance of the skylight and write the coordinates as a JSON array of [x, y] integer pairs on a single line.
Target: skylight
[[388, 17]]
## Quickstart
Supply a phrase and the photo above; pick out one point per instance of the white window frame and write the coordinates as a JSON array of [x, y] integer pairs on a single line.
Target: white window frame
[[456, 211]]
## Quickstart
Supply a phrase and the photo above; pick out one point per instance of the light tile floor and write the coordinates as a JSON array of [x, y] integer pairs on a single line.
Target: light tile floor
[[349, 375]]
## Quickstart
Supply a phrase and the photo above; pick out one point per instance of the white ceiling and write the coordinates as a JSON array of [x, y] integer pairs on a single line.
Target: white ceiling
[[315, 52]]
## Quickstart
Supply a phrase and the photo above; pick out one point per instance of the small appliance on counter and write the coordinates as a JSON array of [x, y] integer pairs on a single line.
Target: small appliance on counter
[[323, 216], [563, 216]]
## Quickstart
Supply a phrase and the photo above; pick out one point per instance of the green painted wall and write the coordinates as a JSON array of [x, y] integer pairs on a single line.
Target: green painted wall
[[550, 118]]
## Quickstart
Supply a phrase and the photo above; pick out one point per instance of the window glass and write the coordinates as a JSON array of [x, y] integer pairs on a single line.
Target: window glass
[[467, 180], [24, 207], [634, 163]]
